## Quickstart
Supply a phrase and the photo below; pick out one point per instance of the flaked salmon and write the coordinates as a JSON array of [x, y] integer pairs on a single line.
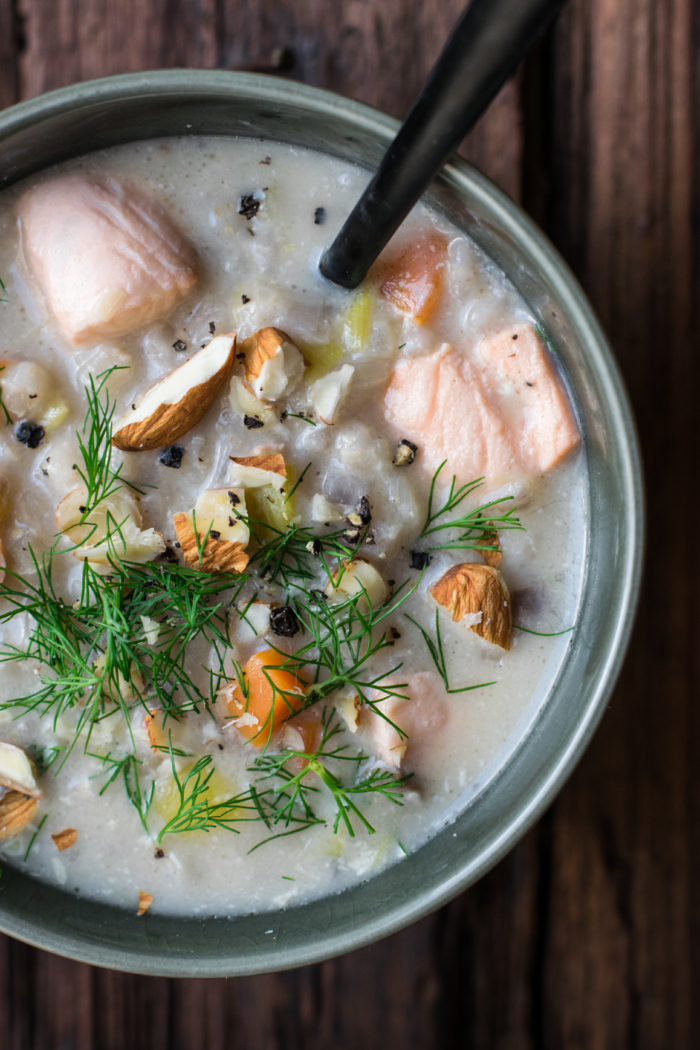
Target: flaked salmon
[[418, 713], [498, 413], [106, 258]]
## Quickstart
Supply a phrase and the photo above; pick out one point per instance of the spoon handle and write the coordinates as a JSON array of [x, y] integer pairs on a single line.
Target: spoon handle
[[490, 39]]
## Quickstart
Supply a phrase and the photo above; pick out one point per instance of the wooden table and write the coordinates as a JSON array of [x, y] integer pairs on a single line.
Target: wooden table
[[587, 935]]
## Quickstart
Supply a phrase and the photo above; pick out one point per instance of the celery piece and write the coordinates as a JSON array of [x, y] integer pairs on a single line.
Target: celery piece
[[267, 505], [357, 324], [321, 359]]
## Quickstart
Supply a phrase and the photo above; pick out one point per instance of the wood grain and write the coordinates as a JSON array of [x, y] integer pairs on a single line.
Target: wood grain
[[588, 934]]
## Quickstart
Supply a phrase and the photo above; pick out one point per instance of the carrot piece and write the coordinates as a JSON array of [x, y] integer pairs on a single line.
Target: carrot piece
[[412, 281], [272, 696]]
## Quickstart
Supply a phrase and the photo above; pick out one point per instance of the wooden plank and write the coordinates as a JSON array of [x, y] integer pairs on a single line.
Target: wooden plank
[[621, 141]]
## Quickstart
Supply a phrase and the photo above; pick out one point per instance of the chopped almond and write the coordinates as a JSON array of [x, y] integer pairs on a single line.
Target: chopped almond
[[217, 555], [145, 901], [16, 811], [65, 839], [357, 576], [471, 588], [253, 472], [112, 530], [176, 403], [327, 393], [347, 704], [17, 770], [490, 539], [273, 363]]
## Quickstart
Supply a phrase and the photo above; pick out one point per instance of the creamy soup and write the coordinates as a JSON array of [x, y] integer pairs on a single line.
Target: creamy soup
[[290, 570]]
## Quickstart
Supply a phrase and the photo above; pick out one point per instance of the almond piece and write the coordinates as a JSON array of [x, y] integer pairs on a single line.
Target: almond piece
[[490, 539], [65, 839], [474, 588], [16, 811], [218, 555], [359, 576], [272, 361], [177, 402], [17, 771], [347, 704], [145, 901], [112, 531], [326, 393], [253, 472]]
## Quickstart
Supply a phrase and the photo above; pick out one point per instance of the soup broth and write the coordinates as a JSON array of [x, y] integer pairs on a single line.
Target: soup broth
[[267, 627]]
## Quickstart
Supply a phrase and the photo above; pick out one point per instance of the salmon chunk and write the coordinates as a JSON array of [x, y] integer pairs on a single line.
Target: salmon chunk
[[498, 413], [419, 714], [106, 258]]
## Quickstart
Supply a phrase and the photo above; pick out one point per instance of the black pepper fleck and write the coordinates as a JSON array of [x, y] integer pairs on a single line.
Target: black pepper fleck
[[245, 299], [179, 345], [268, 160], [253, 422], [172, 457], [320, 216], [82, 509], [215, 534], [32, 396], [30, 434], [212, 328], [283, 621], [318, 596], [419, 560], [528, 384], [394, 633], [235, 500], [248, 206], [160, 853], [168, 557]]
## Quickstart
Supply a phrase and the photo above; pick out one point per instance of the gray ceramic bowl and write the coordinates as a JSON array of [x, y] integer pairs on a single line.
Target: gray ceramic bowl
[[179, 102]]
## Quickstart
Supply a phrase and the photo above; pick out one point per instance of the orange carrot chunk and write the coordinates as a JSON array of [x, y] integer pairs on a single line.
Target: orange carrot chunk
[[272, 695], [412, 281]]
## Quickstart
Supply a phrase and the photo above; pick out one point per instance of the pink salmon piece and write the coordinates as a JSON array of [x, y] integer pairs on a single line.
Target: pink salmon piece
[[106, 258], [483, 416]]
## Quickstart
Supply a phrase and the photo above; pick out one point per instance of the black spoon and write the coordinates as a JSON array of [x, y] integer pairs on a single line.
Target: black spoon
[[490, 39]]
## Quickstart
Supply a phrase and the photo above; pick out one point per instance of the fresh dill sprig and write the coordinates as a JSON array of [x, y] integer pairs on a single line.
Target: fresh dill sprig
[[93, 655], [544, 338], [2, 286], [34, 836], [95, 443], [438, 656], [3, 406], [293, 795], [297, 483], [128, 768], [196, 811], [295, 415], [291, 556], [477, 525]]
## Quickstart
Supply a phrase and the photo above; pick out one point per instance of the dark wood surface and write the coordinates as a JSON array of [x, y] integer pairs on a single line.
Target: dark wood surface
[[587, 935]]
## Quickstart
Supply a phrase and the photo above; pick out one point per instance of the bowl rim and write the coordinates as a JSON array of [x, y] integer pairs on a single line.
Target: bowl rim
[[459, 174]]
